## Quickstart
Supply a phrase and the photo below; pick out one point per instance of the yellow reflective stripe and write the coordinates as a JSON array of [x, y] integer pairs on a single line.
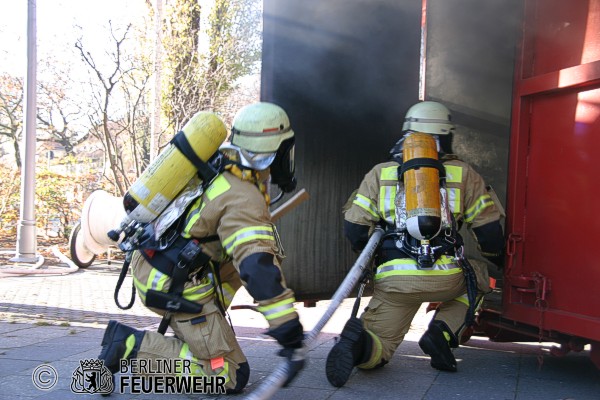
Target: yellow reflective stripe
[[246, 234], [227, 295], [387, 194], [156, 280], [376, 352], [199, 292], [389, 174], [454, 200], [192, 217], [417, 272], [186, 354], [129, 345], [224, 371], [480, 204], [442, 263], [463, 299], [405, 266], [453, 174], [217, 188], [195, 368], [387, 198], [366, 203], [141, 288], [278, 309]]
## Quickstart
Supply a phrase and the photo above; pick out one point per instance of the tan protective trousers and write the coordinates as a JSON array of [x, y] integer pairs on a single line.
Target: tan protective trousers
[[206, 339], [396, 300]]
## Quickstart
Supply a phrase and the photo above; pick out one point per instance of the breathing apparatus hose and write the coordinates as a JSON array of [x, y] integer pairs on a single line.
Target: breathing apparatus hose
[[470, 283], [269, 386], [364, 280], [122, 275]]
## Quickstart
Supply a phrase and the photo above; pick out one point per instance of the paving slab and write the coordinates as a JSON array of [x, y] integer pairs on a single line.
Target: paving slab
[[59, 321]]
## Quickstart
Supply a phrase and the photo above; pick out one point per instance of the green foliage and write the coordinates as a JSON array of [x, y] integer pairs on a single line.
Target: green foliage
[[202, 79], [10, 185], [58, 200], [181, 35]]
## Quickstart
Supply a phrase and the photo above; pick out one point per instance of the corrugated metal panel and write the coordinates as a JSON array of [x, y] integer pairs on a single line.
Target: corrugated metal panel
[[345, 71], [470, 68]]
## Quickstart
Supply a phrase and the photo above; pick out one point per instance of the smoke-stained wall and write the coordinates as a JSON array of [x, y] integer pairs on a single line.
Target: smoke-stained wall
[[470, 57], [345, 71]]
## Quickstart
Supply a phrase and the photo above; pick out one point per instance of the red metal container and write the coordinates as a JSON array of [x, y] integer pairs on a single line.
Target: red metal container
[[553, 203]]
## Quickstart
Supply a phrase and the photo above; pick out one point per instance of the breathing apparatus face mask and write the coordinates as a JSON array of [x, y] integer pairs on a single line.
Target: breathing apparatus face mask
[[282, 162], [283, 166], [256, 161], [396, 150]]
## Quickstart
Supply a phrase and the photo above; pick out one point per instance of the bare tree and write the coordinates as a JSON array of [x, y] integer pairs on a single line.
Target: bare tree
[[136, 122], [11, 112], [118, 112], [58, 111]]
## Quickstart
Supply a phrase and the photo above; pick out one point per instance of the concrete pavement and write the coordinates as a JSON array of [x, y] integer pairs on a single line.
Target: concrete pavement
[[56, 321]]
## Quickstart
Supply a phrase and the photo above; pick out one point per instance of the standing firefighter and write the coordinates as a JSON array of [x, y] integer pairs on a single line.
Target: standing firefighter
[[420, 199], [224, 239]]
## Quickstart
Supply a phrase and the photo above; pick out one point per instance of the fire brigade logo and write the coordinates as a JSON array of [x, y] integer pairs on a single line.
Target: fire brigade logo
[[92, 377]]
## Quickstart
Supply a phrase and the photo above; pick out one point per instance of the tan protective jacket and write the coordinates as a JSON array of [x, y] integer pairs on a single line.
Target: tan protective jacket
[[468, 200], [236, 211], [468, 197]]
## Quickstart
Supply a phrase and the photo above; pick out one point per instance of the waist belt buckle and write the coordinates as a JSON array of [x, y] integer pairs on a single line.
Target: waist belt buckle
[[165, 240], [449, 238], [173, 305]]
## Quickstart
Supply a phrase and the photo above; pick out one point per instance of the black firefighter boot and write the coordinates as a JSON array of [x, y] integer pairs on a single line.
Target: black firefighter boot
[[437, 342], [353, 348], [116, 342]]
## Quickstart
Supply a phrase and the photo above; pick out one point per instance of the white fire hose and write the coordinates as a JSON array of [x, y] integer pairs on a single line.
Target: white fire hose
[[279, 376]]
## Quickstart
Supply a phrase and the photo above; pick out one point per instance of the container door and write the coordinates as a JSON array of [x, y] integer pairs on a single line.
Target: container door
[[553, 267]]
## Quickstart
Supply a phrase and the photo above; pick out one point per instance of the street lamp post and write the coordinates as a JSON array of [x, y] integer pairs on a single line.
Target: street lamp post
[[26, 230]]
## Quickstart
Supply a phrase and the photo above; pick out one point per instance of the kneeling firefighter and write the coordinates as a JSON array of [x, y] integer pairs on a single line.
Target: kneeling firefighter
[[421, 199], [224, 239]]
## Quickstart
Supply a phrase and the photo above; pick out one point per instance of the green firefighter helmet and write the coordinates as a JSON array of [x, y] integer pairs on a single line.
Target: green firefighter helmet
[[265, 139], [261, 128]]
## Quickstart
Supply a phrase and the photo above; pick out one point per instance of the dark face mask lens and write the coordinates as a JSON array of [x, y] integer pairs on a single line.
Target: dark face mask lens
[[283, 167]]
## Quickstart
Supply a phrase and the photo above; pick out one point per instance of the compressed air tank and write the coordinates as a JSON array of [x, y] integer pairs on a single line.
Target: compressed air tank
[[422, 188], [168, 174]]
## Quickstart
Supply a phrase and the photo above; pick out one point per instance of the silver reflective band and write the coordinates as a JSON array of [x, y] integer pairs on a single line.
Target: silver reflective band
[[413, 266], [257, 161], [428, 120]]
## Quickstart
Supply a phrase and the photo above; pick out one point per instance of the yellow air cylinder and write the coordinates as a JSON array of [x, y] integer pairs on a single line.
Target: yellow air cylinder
[[422, 188], [168, 174]]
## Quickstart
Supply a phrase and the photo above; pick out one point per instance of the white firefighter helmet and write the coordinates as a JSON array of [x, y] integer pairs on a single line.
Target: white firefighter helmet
[[429, 117], [258, 131]]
